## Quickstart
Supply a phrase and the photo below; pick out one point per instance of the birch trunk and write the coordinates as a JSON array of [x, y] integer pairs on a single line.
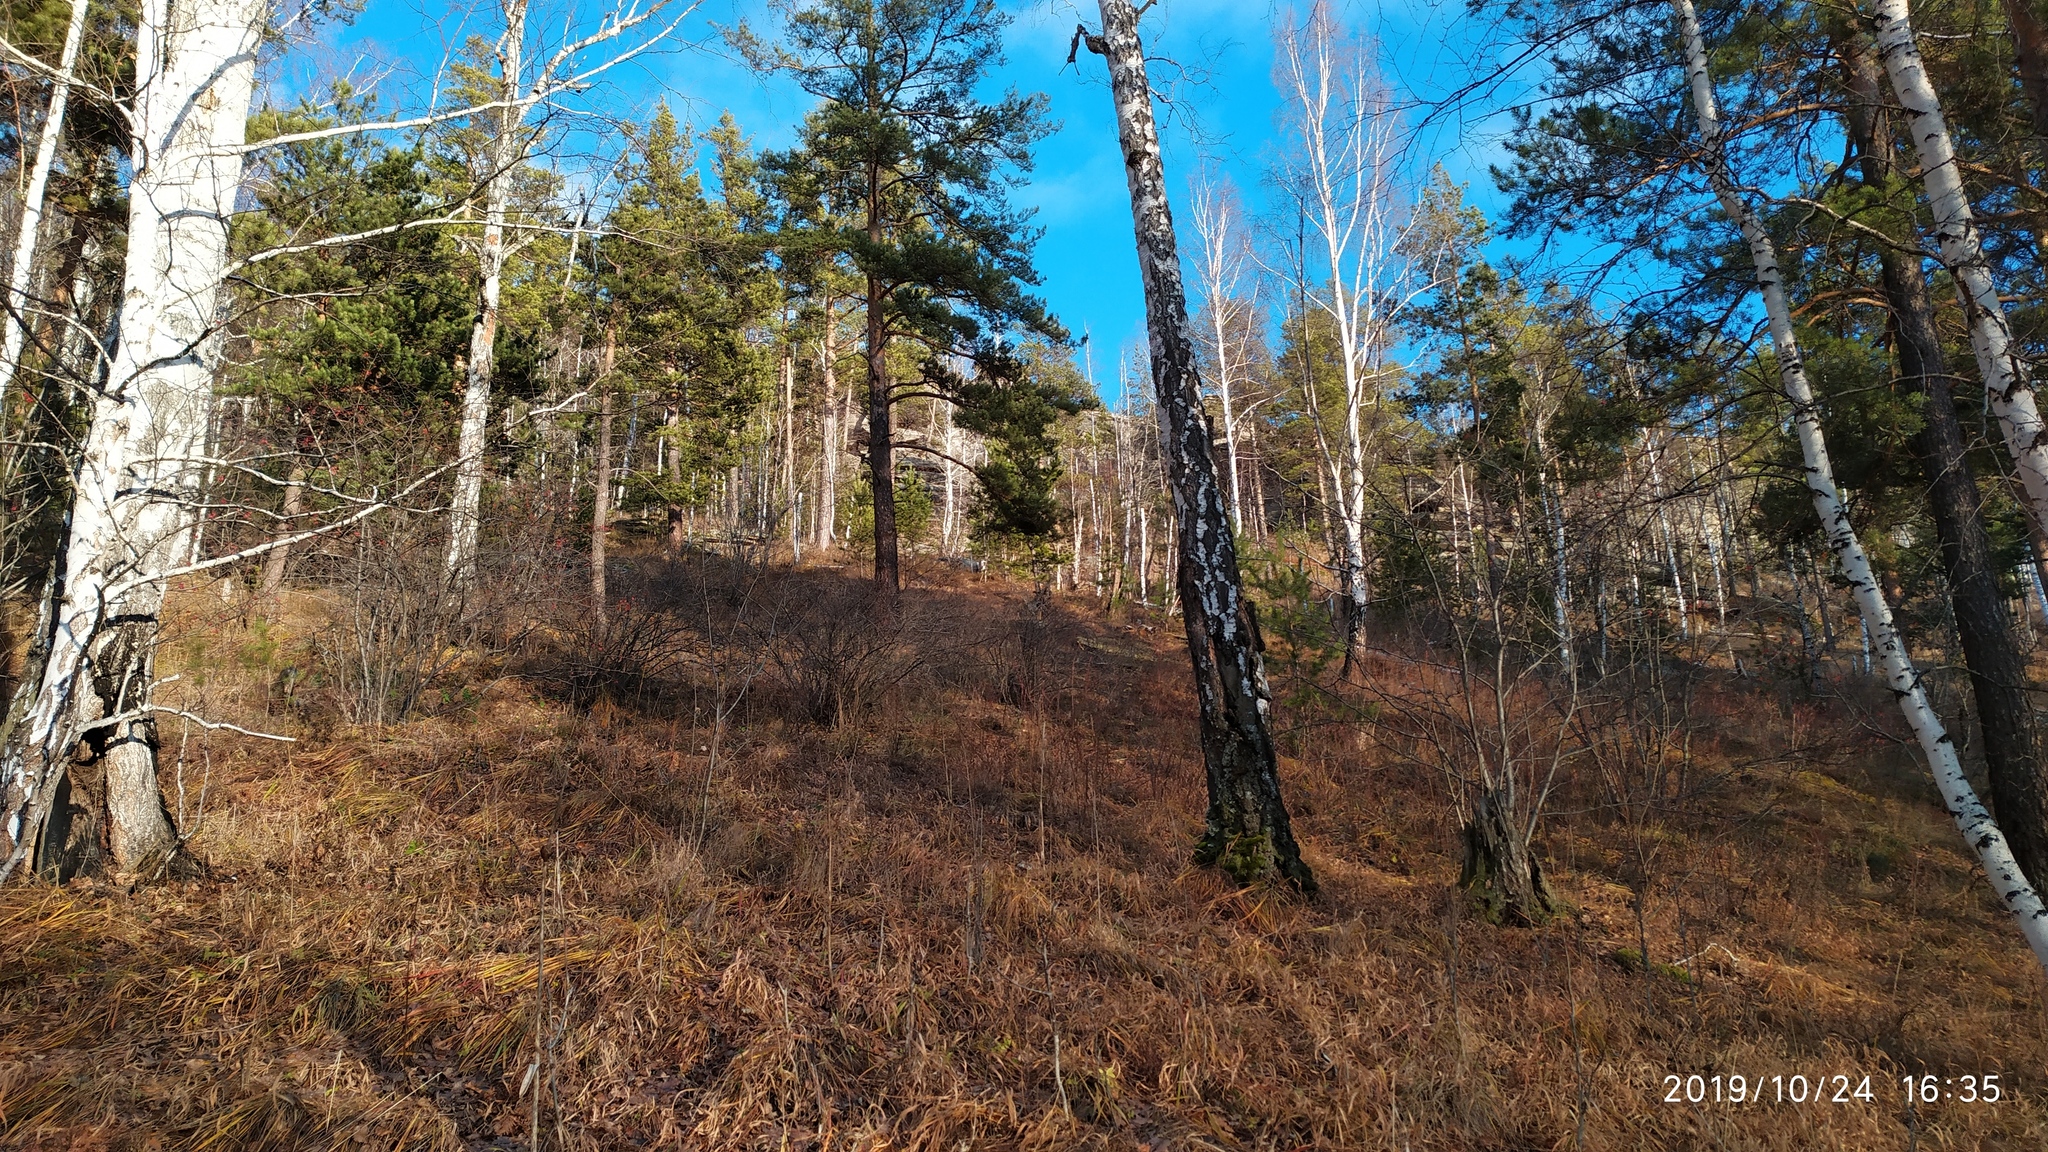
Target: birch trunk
[[601, 481], [834, 433], [137, 478], [1651, 453], [21, 275], [2007, 389], [1561, 587], [1343, 182], [1248, 831], [1215, 231], [789, 493], [1991, 648], [483, 335], [1979, 830]]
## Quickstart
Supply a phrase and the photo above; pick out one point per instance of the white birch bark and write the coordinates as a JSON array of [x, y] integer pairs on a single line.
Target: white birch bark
[[790, 505], [1248, 831], [1553, 515], [1344, 176], [476, 394], [834, 431], [196, 69], [21, 276], [1651, 453], [2007, 389], [1972, 818], [516, 97], [1219, 266]]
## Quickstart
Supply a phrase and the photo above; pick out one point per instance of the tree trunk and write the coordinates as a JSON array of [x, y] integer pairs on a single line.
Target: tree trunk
[[1979, 830], [789, 491], [881, 448], [1500, 869], [274, 564], [1248, 831], [2006, 387], [2030, 55], [483, 336], [834, 445], [601, 479], [137, 479], [1255, 471], [21, 275], [1998, 671]]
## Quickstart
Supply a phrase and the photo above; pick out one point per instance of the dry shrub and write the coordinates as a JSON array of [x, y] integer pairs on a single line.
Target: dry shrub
[[841, 647], [879, 943], [396, 629]]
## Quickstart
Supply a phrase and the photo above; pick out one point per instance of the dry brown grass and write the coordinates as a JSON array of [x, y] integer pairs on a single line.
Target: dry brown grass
[[875, 946]]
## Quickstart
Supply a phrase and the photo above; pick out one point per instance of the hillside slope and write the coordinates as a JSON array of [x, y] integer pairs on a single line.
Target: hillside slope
[[962, 919]]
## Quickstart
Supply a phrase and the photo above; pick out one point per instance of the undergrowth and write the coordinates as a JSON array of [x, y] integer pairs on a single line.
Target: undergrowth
[[963, 918]]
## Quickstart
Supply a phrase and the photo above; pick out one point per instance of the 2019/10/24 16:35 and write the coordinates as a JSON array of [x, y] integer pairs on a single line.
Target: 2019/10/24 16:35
[[1827, 1089]]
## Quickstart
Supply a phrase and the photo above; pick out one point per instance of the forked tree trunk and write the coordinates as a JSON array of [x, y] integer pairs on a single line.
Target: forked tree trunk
[[1248, 832], [21, 276], [2007, 389], [1979, 830], [137, 475], [1998, 669], [467, 505]]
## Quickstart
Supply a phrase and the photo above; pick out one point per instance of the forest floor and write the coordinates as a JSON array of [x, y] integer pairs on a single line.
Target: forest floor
[[962, 918]]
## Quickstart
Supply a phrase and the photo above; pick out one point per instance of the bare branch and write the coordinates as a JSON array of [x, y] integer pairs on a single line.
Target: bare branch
[[148, 710]]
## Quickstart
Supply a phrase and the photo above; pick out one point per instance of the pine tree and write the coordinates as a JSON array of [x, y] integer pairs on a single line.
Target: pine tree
[[918, 166]]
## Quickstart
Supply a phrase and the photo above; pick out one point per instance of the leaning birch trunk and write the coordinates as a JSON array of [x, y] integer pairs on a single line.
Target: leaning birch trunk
[[2006, 387], [1992, 649], [22, 274], [137, 477], [483, 336], [1248, 832], [1971, 817]]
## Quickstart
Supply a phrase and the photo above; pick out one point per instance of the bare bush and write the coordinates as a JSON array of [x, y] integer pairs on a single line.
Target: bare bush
[[842, 649], [395, 630]]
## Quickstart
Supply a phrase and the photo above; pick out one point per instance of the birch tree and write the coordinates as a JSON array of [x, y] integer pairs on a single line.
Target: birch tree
[[1992, 648], [518, 89], [1219, 265], [2007, 389], [21, 273], [1248, 832], [136, 478], [1972, 818], [1340, 169]]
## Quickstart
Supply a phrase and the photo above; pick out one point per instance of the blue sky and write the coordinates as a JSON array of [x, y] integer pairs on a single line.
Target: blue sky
[[1223, 113]]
